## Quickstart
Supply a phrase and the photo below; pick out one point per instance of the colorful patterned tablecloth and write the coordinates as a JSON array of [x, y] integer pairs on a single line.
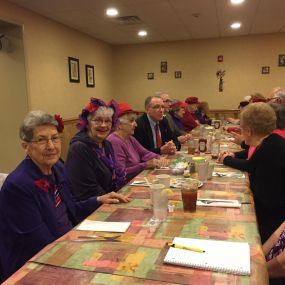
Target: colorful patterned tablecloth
[[136, 257]]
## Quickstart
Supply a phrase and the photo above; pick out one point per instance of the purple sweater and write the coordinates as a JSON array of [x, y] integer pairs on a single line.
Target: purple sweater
[[130, 155]]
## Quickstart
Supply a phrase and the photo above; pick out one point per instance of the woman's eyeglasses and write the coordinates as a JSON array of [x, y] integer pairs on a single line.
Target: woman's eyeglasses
[[45, 141], [101, 121]]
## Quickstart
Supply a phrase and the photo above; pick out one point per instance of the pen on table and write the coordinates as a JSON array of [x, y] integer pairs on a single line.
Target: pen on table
[[185, 247]]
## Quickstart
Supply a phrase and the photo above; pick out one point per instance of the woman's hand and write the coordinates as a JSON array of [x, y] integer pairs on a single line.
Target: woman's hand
[[238, 137], [157, 163], [113, 198], [162, 162], [223, 155], [184, 138]]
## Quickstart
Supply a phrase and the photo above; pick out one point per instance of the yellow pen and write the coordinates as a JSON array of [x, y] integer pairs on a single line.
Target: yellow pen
[[185, 247]]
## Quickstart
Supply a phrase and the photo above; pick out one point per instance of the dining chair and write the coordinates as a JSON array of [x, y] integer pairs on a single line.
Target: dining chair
[[2, 179]]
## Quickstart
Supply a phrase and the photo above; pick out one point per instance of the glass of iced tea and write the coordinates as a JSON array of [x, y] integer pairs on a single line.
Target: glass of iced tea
[[189, 191]]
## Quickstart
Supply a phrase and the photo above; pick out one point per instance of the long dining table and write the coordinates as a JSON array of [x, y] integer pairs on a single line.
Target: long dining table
[[136, 256]]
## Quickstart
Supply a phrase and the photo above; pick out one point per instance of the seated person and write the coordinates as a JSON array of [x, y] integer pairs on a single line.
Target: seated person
[[202, 113], [36, 206], [177, 111], [153, 131], [178, 132], [189, 119], [266, 166], [131, 156], [274, 253], [241, 105], [90, 164]]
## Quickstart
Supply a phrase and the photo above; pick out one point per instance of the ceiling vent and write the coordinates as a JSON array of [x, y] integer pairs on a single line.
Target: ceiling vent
[[128, 20]]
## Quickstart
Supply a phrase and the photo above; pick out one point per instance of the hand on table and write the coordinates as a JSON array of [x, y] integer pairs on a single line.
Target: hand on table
[[184, 138], [223, 155], [168, 148], [113, 198]]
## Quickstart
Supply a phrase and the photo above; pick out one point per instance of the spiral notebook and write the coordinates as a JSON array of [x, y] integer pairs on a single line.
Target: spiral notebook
[[220, 256]]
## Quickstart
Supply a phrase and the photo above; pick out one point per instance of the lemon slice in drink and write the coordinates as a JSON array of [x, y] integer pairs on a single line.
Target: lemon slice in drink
[[167, 192]]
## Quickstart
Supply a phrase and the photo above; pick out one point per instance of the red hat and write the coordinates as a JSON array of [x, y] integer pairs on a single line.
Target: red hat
[[192, 100], [124, 108], [178, 104]]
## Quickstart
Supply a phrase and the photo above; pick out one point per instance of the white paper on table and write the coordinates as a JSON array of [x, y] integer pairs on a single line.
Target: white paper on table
[[228, 174], [141, 183], [99, 226], [218, 203]]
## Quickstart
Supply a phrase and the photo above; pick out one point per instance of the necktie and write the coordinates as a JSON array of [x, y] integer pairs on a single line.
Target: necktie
[[57, 196], [157, 136]]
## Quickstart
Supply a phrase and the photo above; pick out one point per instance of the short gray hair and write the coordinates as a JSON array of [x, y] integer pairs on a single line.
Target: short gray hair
[[35, 119], [280, 115], [127, 118], [148, 100], [102, 111], [259, 117]]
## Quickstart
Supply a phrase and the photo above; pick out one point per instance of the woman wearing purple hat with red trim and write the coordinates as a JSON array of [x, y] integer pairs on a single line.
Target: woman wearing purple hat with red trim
[[91, 166], [131, 156]]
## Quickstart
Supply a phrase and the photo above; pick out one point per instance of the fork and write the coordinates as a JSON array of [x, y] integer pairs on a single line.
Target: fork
[[97, 238], [216, 201]]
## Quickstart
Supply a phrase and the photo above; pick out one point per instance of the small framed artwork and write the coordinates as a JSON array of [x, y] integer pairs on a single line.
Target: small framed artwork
[[89, 71], [177, 74], [281, 60], [150, 76], [220, 58], [73, 67], [265, 69], [163, 67]]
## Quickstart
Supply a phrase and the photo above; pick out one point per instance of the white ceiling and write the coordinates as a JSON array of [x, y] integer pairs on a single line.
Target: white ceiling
[[165, 20]]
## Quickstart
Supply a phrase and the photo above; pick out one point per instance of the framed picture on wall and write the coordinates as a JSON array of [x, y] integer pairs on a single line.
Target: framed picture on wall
[[177, 74], [163, 67], [89, 72], [281, 60], [265, 69], [150, 76], [73, 67]]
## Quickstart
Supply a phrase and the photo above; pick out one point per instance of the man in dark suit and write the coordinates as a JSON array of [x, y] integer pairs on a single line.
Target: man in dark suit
[[153, 131]]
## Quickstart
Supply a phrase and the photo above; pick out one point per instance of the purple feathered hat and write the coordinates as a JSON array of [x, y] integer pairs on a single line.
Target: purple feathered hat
[[92, 107]]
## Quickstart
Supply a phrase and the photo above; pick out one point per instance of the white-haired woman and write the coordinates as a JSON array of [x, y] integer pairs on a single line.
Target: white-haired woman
[[266, 166], [90, 164], [131, 156], [36, 205]]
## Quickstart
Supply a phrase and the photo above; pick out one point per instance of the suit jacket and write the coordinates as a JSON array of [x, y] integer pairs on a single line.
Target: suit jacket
[[144, 135]]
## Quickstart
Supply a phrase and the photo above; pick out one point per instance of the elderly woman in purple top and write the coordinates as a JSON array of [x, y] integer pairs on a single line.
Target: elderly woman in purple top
[[177, 111], [131, 156], [36, 206], [91, 164]]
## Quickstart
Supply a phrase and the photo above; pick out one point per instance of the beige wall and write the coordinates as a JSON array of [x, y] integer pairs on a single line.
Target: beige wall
[[197, 59], [47, 47], [13, 99]]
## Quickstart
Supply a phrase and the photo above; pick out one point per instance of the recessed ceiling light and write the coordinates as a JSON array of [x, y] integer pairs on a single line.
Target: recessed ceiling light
[[236, 25], [236, 2], [142, 33], [112, 12]]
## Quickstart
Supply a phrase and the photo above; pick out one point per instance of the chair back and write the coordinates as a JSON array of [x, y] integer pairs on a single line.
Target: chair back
[[2, 179]]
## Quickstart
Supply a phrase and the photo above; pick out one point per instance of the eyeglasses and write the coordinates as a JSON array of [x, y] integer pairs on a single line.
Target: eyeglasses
[[101, 121], [44, 141]]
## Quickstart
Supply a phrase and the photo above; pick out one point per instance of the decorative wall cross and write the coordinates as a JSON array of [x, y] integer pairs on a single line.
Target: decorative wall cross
[[220, 74]]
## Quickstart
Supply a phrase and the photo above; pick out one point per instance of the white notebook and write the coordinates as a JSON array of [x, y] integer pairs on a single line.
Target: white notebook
[[99, 226], [220, 256]]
